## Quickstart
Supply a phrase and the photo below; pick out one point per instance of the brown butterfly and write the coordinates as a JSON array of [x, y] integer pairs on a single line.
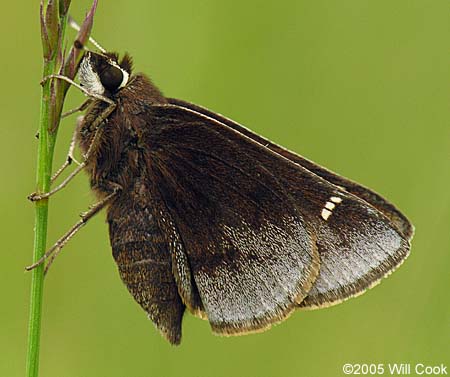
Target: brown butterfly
[[204, 214]]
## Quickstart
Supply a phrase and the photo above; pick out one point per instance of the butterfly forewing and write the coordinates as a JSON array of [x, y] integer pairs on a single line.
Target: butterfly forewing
[[388, 209], [358, 244]]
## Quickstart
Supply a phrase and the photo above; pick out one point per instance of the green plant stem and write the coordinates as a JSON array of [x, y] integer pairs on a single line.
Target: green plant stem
[[53, 26], [44, 168]]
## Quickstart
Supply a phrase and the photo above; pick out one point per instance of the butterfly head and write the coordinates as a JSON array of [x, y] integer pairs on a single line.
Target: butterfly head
[[102, 73]]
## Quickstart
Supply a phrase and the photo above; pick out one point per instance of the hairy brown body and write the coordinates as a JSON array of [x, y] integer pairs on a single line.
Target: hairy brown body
[[118, 160], [118, 156], [208, 216]]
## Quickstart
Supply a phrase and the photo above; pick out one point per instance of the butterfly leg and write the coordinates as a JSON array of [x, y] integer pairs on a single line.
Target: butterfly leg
[[85, 217], [76, 109], [97, 125], [34, 197], [73, 111], [70, 158]]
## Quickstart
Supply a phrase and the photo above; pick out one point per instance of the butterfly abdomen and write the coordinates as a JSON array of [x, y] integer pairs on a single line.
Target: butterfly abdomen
[[144, 261]]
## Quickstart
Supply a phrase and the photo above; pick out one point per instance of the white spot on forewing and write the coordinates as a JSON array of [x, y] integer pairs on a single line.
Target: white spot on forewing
[[329, 206], [325, 214], [89, 78]]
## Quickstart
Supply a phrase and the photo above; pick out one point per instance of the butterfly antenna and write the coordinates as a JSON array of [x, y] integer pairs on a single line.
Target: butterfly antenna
[[73, 24]]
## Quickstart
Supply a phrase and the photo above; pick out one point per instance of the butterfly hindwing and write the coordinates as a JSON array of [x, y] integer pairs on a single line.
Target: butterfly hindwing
[[252, 256]]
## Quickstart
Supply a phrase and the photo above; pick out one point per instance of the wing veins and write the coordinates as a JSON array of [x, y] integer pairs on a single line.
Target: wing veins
[[231, 187], [235, 167]]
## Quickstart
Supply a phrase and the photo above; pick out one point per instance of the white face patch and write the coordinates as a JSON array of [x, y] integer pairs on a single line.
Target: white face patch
[[89, 78], [329, 206]]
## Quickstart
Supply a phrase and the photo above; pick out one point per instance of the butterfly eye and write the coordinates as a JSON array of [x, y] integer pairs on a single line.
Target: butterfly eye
[[111, 78]]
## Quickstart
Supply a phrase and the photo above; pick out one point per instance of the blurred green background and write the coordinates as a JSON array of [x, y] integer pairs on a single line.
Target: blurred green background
[[361, 87]]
